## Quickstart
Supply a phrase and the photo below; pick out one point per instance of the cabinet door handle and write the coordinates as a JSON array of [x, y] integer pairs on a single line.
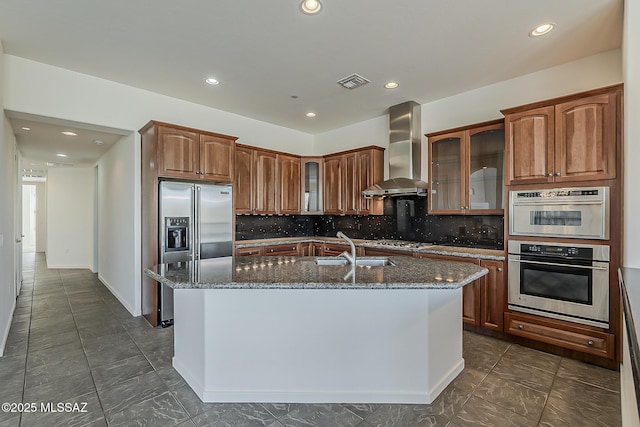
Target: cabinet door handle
[[520, 327], [550, 174], [590, 342], [499, 269], [557, 173]]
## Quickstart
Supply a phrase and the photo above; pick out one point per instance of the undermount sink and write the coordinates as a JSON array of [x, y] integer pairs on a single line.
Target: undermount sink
[[363, 261]]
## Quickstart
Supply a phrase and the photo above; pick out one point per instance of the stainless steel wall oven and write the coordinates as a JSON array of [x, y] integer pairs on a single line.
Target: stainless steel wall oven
[[562, 281]]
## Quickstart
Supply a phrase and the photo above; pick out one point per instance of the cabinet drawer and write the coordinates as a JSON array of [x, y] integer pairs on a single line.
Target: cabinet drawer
[[292, 249], [561, 334], [255, 251]]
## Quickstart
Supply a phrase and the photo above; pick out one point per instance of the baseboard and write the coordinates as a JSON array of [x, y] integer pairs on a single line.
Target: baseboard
[[69, 267], [134, 313], [5, 334]]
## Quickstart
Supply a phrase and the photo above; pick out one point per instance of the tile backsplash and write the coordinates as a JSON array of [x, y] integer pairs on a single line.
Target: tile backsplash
[[405, 218]]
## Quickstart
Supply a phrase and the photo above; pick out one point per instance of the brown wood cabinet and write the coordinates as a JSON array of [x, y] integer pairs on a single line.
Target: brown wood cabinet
[[289, 180], [563, 334], [170, 151], [493, 295], [251, 251], [483, 301], [568, 139], [466, 170], [385, 252], [244, 186], [193, 154], [333, 182], [346, 175], [334, 249], [291, 249], [266, 182]]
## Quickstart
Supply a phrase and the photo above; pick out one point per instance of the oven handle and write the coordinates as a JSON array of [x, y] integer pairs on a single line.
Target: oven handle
[[588, 267]]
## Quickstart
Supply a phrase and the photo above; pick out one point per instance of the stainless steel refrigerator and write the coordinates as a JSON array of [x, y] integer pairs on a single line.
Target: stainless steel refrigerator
[[196, 222]]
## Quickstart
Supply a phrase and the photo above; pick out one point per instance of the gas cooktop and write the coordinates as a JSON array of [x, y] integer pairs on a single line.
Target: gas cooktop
[[400, 243]]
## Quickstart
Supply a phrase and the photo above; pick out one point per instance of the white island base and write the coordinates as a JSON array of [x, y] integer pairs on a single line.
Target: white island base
[[318, 346]]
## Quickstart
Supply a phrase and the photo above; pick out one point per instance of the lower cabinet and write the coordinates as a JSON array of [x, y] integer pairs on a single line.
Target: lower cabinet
[[333, 249], [252, 251], [385, 252], [492, 295], [563, 334], [291, 249], [483, 301]]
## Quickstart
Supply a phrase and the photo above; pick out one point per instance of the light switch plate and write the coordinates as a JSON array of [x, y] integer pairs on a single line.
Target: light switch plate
[[1, 240]]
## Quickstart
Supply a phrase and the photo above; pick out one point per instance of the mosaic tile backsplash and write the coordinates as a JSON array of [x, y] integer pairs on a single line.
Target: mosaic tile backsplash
[[405, 218]]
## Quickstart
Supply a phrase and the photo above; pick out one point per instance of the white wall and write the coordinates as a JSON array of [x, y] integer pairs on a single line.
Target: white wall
[[70, 211], [36, 88], [631, 68], [7, 230], [485, 103], [118, 253], [41, 217]]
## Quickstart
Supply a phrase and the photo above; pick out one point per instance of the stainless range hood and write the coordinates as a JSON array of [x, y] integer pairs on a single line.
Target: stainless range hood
[[404, 154]]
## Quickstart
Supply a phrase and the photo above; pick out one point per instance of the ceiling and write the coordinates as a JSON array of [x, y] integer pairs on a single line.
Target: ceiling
[[275, 64]]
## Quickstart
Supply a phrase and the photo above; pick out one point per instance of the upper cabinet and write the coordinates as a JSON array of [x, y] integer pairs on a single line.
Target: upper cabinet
[[289, 172], [346, 175], [192, 154], [311, 184], [570, 139], [266, 182], [466, 170]]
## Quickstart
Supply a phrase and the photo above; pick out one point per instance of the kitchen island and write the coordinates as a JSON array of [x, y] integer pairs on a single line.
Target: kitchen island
[[284, 329]]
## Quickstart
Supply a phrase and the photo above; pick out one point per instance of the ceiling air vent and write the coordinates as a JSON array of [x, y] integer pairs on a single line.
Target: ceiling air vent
[[353, 81]]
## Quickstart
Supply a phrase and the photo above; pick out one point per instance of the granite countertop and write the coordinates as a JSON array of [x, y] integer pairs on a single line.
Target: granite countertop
[[425, 248], [302, 273]]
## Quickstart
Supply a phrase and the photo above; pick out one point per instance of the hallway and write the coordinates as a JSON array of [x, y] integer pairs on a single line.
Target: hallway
[[71, 341]]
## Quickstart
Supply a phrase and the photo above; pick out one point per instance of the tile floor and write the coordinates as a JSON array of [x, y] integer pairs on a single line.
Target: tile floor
[[72, 341]]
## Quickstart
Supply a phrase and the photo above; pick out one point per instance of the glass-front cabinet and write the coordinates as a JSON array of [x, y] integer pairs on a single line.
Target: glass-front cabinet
[[311, 185], [466, 170], [446, 181]]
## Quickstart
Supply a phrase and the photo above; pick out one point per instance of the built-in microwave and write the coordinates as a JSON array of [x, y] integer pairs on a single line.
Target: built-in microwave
[[581, 213]]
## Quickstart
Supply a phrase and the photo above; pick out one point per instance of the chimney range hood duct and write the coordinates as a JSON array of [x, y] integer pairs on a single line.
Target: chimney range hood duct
[[404, 154]]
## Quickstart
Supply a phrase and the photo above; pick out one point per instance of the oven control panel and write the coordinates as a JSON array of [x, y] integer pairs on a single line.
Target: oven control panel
[[556, 251]]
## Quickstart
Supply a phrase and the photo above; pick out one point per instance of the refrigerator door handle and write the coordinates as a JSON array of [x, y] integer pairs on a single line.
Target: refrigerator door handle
[[196, 222]]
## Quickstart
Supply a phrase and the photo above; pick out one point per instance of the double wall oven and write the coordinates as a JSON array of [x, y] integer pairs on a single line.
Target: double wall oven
[[568, 281]]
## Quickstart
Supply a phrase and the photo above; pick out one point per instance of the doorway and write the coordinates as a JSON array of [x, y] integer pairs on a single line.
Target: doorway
[[29, 215]]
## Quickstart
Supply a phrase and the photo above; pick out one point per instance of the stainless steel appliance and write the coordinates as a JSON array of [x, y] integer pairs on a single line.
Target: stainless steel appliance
[[404, 154], [581, 213], [562, 281], [196, 222]]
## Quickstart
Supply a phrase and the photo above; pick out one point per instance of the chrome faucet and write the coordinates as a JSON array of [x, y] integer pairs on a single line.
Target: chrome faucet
[[351, 258]]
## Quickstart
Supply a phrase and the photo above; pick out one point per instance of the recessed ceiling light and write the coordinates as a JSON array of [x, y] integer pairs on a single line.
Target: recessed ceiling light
[[391, 85], [25, 128], [98, 142], [310, 114], [310, 7], [542, 29], [61, 155], [212, 81], [69, 133]]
